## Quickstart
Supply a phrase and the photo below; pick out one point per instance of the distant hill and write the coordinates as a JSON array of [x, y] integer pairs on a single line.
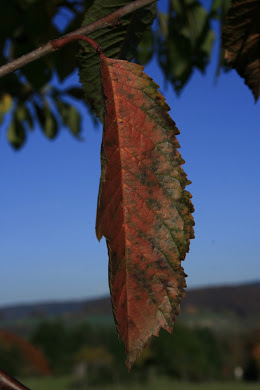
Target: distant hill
[[230, 308], [242, 300], [211, 306], [98, 306]]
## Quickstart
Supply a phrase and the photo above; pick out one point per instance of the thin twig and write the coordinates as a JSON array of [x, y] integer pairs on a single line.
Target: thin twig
[[48, 48], [9, 383]]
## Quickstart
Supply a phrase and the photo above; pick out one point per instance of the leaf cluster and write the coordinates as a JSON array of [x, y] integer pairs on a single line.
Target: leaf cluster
[[185, 40], [181, 38], [30, 96]]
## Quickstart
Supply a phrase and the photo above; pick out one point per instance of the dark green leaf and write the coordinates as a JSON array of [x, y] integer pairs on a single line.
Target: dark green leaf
[[185, 41], [37, 74], [70, 116], [50, 127], [219, 9], [16, 134], [75, 92], [66, 58], [215, 8], [241, 40], [46, 119], [40, 113], [118, 42], [22, 113], [73, 120], [145, 48], [25, 25], [29, 119]]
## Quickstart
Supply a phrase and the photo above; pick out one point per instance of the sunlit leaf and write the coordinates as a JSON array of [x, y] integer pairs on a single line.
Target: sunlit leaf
[[5, 103], [16, 133], [144, 211]]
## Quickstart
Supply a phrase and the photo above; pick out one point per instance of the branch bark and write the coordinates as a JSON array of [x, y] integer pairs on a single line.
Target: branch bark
[[9, 383], [48, 48]]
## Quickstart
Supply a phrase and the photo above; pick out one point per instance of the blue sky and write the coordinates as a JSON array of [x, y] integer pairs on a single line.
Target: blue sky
[[49, 193]]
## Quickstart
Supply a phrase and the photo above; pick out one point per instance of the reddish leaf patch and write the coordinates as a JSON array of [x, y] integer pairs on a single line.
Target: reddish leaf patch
[[143, 211]]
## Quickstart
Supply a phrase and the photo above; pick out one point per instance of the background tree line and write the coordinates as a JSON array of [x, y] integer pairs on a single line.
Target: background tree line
[[189, 354]]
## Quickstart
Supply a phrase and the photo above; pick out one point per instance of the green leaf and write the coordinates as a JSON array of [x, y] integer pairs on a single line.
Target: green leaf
[[118, 42], [40, 113], [29, 119], [26, 25], [6, 102], [50, 128], [66, 60], [185, 41], [21, 112], [37, 74], [219, 9], [23, 115], [145, 48], [47, 120], [16, 134], [215, 7], [75, 92], [70, 116]]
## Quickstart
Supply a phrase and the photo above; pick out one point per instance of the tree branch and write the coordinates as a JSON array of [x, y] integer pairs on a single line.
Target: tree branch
[[9, 383], [48, 48]]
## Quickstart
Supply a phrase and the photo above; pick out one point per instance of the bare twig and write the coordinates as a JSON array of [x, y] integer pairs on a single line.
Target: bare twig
[[9, 383], [108, 20]]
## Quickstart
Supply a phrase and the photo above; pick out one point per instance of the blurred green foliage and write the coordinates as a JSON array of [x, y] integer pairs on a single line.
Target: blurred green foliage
[[188, 354], [92, 353], [11, 360], [28, 95], [181, 38], [62, 383]]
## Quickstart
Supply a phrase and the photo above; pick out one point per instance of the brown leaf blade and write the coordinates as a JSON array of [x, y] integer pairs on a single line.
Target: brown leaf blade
[[241, 40], [143, 211]]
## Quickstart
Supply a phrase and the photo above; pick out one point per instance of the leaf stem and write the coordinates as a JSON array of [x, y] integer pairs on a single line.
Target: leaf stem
[[60, 42], [49, 47]]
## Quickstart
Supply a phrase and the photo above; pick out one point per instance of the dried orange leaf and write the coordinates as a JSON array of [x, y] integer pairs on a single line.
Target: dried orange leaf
[[143, 211]]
